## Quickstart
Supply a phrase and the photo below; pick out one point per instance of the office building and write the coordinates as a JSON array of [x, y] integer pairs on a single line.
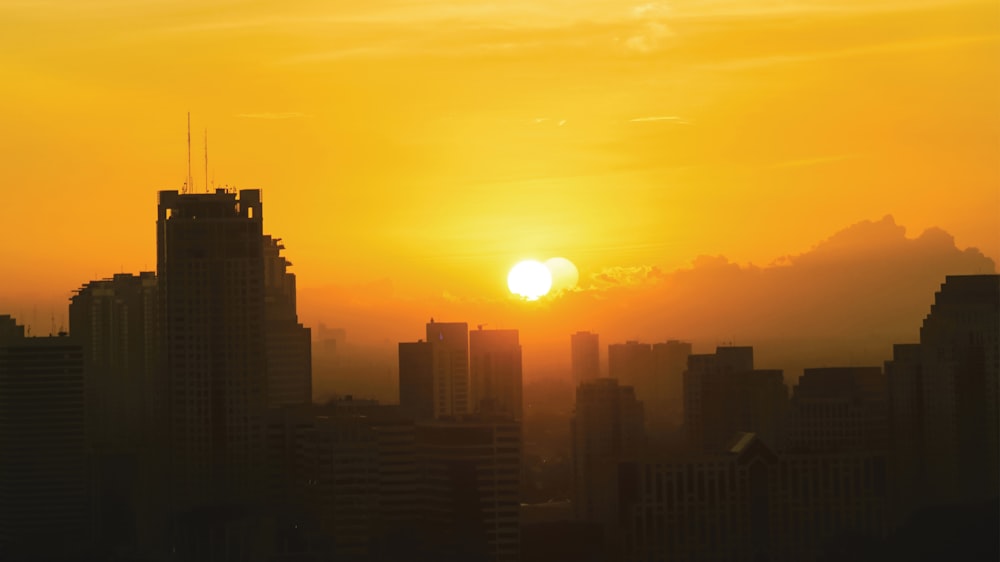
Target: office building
[[749, 503], [495, 372], [839, 409], [724, 394], [471, 476], [951, 392], [450, 344], [607, 427], [585, 357], [115, 320], [213, 346]]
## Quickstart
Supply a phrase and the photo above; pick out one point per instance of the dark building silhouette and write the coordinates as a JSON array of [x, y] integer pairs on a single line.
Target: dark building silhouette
[[656, 373], [945, 393], [495, 372], [905, 416], [213, 350], [585, 358], [115, 320], [45, 499], [289, 351], [416, 379], [666, 406], [724, 394], [750, 503], [608, 426], [471, 476], [839, 409]]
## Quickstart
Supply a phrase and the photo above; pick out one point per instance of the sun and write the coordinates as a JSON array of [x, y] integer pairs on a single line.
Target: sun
[[529, 279]]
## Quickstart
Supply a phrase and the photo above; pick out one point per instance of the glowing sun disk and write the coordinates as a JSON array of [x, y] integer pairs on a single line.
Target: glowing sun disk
[[529, 279]]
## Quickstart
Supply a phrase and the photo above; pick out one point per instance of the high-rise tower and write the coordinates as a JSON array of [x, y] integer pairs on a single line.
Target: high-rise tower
[[585, 358], [495, 372], [210, 268], [450, 342]]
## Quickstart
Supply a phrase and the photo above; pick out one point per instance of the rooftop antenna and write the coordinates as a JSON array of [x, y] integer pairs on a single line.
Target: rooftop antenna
[[190, 181], [206, 159]]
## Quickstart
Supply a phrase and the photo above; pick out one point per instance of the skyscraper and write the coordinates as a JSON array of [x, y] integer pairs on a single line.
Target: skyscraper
[[495, 372], [608, 426], [210, 265], [958, 371], [450, 342], [585, 358]]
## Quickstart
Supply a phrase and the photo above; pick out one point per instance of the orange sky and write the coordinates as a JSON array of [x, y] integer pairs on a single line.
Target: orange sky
[[430, 145]]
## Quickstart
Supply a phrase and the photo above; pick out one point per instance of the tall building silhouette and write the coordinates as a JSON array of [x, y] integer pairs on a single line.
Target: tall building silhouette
[[585, 357], [115, 320], [471, 469], [210, 266], [947, 391], [416, 379], [495, 372], [289, 346], [45, 502], [608, 426], [450, 344], [666, 406]]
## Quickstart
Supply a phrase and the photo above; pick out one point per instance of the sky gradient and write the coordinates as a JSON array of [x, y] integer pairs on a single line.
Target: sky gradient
[[426, 147]]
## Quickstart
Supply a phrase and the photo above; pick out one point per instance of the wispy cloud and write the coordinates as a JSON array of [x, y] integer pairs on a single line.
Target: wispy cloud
[[813, 161], [885, 48], [660, 119], [280, 115], [652, 31]]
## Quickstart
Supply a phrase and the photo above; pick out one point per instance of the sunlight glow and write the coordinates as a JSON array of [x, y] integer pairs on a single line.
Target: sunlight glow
[[529, 279]]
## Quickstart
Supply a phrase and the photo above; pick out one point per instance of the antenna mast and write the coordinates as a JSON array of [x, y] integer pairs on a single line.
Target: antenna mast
[[190, 182], [206, 160]]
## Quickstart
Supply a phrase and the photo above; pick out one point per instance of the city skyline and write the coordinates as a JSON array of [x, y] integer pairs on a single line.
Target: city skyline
[[411, 165]]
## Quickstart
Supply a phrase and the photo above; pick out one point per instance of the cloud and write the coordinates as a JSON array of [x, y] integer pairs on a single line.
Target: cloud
[[651, 30], [282, 115], [660, 119], [813, 161]]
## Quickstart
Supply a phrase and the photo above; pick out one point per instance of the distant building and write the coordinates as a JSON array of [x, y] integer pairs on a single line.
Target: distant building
[[608, 426], [631, 363], [416, 379], [656, 372], [585, 357], [289, 351], [450, 342], [724, 394], [45, 500], [667, 402], [495, 372]]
